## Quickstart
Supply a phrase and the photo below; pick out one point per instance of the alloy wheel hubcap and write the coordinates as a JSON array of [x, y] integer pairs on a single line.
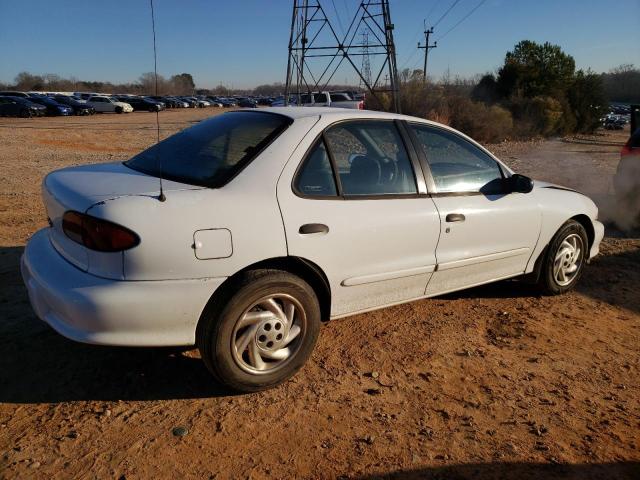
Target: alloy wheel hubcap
[[268, 334], [568, 260]]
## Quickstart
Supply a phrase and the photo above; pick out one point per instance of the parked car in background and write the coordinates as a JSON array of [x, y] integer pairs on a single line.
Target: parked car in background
[[79, 108], [9, 93], [169, 102], [328, 99], [104, 104], [20, 107], [279, 101], [196, 102], [214, 102], [192, 102], [143, 104], [52, 107], [157, 98], [85, 95], [180, 103], [247, 103], [318, 213]]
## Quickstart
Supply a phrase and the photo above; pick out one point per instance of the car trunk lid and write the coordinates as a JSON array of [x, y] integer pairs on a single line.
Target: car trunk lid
[[78, 189]]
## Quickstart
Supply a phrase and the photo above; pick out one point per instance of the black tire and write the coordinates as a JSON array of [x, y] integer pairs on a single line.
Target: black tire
[[216, 330], [548, 281], [25, 113], [119, 110]]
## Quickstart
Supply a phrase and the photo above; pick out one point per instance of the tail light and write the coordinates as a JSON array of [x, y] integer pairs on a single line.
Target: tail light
[[97, 234], [361, 105]]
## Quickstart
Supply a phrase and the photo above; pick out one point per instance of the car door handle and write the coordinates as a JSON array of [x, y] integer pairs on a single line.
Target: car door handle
[[455, 217], [310, 228]]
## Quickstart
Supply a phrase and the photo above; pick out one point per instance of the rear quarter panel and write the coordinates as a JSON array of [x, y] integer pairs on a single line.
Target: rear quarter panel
[[247, 207]]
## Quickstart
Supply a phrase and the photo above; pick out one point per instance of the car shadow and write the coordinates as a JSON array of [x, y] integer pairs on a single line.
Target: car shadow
[[31, 351], [610, 278], [518, 471]]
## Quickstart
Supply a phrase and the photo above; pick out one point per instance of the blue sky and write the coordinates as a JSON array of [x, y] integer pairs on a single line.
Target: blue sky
[[244, 43]]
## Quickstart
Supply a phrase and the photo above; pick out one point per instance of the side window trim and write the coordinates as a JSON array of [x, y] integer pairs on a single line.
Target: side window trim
[[425, 163], [421, 176], [334, 165]]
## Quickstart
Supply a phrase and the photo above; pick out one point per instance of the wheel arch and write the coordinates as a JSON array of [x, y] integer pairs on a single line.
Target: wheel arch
[[586, 223], [299, 266]]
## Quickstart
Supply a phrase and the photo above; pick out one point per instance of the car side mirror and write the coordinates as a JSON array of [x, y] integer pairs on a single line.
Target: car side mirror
[[520, 183]]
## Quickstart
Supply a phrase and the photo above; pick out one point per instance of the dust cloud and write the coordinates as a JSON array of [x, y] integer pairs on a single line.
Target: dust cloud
[[623, 207]]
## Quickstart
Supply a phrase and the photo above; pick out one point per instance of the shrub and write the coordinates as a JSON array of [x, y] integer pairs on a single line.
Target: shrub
[[484, 123]]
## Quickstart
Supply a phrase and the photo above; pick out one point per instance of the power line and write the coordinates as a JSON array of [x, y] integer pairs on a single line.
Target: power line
[[338, 15], [417, 35], [433, 7], [461, 20], [446, 13]]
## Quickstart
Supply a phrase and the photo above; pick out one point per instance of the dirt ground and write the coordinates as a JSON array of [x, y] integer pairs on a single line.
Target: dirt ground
[[494, 382]]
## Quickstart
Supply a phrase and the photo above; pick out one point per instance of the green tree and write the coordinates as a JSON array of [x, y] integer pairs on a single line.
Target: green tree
[[588, 100], [182, 84], [533, 70], [26, 81]]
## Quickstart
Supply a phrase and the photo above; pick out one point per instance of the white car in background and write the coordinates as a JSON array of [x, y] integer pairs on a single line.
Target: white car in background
[[271, 221], [104, 104]]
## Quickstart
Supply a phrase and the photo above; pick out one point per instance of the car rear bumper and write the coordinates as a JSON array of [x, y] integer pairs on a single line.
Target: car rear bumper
[[90, 309]]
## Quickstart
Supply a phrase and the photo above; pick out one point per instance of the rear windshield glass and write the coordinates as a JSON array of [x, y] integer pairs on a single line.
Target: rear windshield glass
[[213, 151]]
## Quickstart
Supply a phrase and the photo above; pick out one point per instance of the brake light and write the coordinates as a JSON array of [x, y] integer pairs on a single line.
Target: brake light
[[97, 234], [361, 105]]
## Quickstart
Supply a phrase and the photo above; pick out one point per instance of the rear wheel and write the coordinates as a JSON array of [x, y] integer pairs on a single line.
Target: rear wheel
[[565, 259], [260, 331]]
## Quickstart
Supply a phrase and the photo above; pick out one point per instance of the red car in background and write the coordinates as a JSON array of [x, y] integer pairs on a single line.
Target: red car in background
[[627, 178]]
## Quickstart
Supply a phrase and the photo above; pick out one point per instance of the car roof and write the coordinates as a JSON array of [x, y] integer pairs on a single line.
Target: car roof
[[339, 113]]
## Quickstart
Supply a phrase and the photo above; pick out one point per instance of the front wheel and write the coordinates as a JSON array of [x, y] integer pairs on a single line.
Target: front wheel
[[260, 331], [119, 110], [565, 259]]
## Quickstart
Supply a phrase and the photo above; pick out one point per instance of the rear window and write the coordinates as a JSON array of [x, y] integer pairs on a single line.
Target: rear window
[[212, 152], [340, 97]]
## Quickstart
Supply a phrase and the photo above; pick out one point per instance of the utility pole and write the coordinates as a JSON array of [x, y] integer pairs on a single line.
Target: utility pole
[[426, 47]]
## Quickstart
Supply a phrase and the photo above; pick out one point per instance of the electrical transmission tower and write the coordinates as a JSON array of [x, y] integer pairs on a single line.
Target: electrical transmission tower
[[366, 61], [316, 50]]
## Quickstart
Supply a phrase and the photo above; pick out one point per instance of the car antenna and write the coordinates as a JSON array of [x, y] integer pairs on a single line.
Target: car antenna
[[161, 197]]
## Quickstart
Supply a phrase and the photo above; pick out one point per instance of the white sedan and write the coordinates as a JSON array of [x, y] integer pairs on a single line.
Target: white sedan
[[244, 232], [107, 104]]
